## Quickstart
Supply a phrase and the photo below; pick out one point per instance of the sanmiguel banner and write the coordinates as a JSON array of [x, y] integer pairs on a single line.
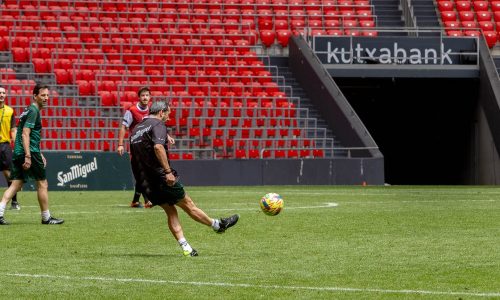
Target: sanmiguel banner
[[396, 50], [72, 171]]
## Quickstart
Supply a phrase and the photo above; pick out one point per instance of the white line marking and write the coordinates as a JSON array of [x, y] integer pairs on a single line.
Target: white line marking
[[258, 286], [135, 210]]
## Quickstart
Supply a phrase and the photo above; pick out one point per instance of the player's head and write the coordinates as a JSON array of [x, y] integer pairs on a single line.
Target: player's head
[[3, 94], [144, 95], [161, 109], [41, 95]]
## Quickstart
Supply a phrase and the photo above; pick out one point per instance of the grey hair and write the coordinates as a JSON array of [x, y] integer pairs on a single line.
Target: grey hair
[[158, 106]]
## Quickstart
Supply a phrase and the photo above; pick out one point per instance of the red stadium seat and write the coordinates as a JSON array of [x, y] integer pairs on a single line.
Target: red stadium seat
[[445, 5], [495, 6], [283, 37], [486, 26], [483, 16], [463, 5], [267, 37], [466, 15], [491, 38], [454, 33], [480, 5]]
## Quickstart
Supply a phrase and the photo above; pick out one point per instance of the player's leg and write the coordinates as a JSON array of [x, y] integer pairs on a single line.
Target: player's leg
[[175, 227], [137, 196], [6, 161], [218, 225], [15, 187], [14, 204], [37, 171], [42, 192]]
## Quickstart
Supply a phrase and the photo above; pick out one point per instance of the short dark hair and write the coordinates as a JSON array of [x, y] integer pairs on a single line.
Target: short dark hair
[[38, 87], [144, 89]]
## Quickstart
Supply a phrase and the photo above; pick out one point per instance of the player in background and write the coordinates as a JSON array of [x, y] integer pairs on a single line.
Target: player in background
[[131, 118], [28, 161], [159, 182], [7, 134]]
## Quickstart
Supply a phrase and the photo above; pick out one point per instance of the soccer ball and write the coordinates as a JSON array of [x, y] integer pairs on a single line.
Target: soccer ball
[[271, 204]]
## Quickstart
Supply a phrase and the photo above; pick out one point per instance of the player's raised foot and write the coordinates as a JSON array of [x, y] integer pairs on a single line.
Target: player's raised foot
[[3, 222], [225, 223], [136, 205], [53, 221], [192, 253], [15, 205]]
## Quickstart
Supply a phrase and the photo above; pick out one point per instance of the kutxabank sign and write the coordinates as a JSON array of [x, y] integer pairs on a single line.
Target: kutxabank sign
[[395, 50]]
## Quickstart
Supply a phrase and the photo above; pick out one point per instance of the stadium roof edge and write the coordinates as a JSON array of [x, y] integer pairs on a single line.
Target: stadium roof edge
[[403, 71]]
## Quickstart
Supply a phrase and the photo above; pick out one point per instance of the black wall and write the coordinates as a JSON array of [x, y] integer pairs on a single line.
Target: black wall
[[424, 127]]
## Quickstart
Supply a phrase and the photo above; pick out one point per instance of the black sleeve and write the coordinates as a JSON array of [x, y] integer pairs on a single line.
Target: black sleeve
[[159, 134]]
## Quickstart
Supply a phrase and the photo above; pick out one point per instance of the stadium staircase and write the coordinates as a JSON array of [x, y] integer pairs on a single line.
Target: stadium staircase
[[388, 14], [425, 13]]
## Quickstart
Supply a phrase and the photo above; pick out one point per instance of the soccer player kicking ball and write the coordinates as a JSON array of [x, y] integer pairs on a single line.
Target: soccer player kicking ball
[[151, 168]]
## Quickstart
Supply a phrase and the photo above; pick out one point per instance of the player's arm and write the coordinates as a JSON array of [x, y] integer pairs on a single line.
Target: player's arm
[[161, 155], [13, 133], [171, 140], [127, 121], [13, 129], [26, 145], [121, 136]]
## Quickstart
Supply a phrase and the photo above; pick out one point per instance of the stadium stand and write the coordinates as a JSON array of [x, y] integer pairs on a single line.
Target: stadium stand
[[208, 57]]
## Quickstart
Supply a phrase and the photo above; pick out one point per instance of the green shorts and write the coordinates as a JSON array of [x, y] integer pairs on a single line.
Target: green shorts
[[36, 171], [161, 193]]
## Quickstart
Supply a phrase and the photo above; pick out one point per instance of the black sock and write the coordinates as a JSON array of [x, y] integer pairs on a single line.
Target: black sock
[[137, 196]]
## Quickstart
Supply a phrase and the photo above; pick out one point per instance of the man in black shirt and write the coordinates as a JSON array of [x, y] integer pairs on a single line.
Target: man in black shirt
[[151, 168]]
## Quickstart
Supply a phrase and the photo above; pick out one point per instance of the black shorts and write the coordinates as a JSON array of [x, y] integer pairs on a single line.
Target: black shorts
[[5, 156]]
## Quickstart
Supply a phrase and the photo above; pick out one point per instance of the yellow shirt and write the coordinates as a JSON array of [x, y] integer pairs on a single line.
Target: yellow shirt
[[7, 122]]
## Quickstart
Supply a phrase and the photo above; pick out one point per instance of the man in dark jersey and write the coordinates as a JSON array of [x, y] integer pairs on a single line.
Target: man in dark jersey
[[28, 161], [158, 181]]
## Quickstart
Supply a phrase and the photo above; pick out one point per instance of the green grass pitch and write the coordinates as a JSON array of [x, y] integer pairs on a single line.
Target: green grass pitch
[[328, 243]]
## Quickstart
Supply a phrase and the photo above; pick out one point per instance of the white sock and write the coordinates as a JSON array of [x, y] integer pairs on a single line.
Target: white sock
[[45, 215], [215, 224], [185, 245], [2, 209]]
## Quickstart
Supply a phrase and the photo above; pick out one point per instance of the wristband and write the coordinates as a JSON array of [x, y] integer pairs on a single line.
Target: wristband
[[120, 145], [28, 156]]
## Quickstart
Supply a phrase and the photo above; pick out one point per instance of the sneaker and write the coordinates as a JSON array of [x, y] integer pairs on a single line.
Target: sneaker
[[192, 253], [148, 204], [3, 222], [136, 205], [15, 206], [225, 223], [53, 221]]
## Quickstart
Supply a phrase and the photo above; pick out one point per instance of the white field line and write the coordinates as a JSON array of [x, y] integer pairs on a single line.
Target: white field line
[[255, 286], [256, 208], [135, 210]]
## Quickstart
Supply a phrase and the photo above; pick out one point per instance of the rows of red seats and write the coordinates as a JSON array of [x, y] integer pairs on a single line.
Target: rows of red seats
[[185, 76], [471, 18]]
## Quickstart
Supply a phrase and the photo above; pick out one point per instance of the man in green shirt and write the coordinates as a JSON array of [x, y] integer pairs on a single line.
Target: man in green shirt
[[28, 162]]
